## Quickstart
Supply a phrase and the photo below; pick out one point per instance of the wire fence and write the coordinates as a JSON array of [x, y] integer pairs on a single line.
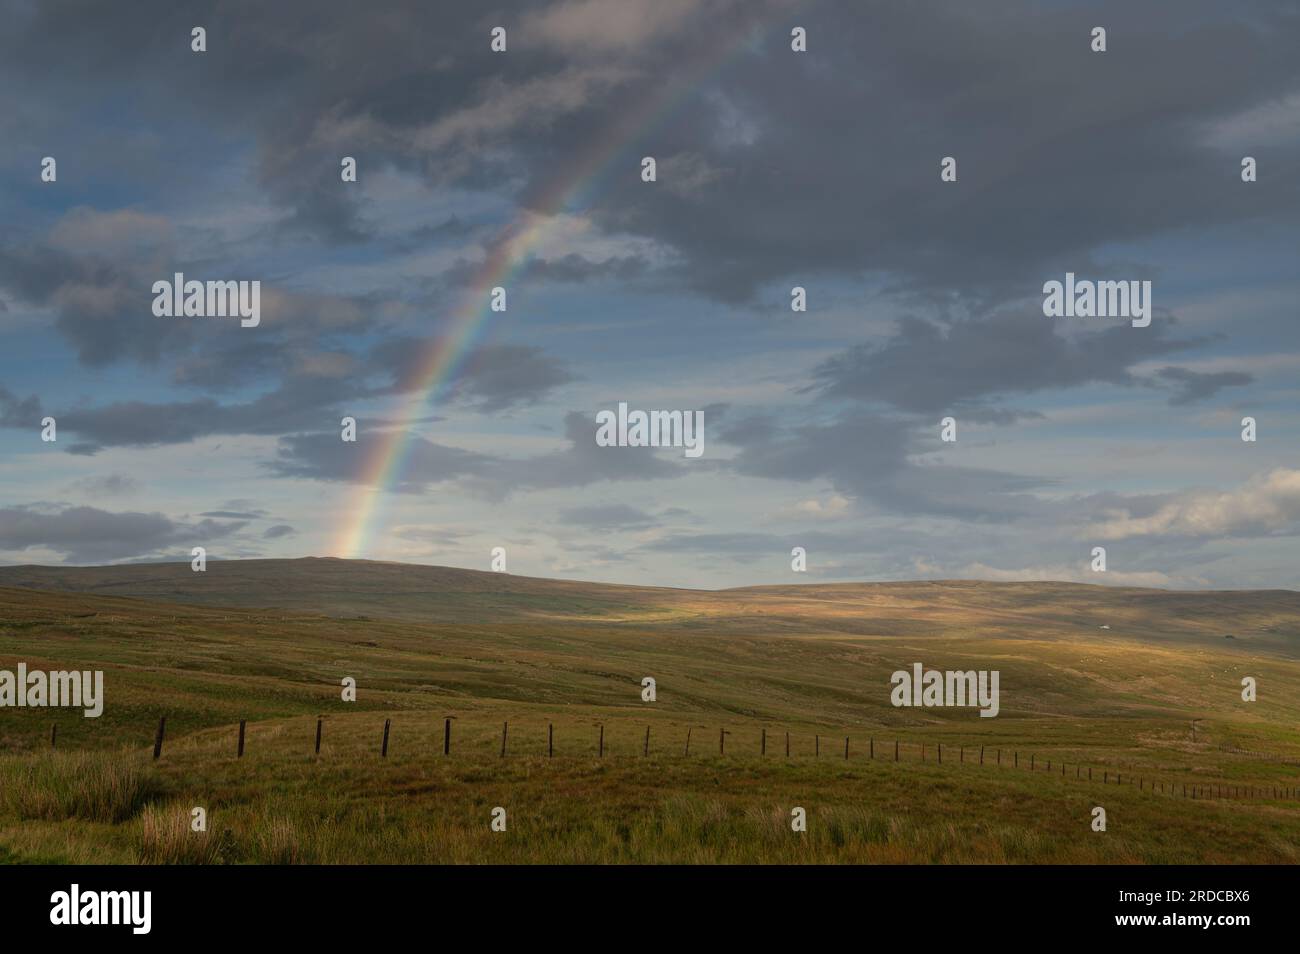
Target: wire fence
[[872, 748]]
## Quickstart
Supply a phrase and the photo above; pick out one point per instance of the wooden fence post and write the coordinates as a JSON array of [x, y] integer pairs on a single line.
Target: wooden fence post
[[961, 754], [846, 746], [688, 740], [940, 744], [54, 733], [240, 753], [318, 722], [600, 752], [787, 745], [722, 741], [895, 750], [762, 745], [446, 736], [871, 748], [505, 727], [922, 751], [1031, 761], [550, 740], [817, 745], [981, 755], [158, 738], [647, 741], [383, 752]]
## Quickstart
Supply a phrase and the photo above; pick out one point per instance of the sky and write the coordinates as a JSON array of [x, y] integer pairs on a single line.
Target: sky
[[775, 168]]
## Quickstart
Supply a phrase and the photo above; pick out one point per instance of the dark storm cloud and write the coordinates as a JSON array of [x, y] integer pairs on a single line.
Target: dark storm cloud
[[1193, 386], [425, 463], [869, 458], [299, 404], [326, 457], [928, 367], [88, 534], [585, 462], [496, 377], [753, 190], [1042, 165], [499, 377], [95, 271], [279, 531]]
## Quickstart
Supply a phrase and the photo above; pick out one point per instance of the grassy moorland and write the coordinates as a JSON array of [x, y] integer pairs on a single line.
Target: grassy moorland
[[269, 642]]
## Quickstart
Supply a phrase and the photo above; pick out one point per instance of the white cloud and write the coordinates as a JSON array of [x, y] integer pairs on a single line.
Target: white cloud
[[1263, 505]]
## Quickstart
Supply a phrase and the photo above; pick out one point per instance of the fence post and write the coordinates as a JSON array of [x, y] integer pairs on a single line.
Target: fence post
[[981, 755], [762, 745], [600, 752], [318, 722], [961, 754], [1105, 777], [383, 752], [999, 756], [940, 744], [446, 736], [647, 740], [54, 733], [871, 748], [240, 753], [787, 745], [1031, 761], [722, 741], [505, 727], [550, 740], [922, 751], [895, 750], [158, 738], [688, 740], [846, 746], [817, 745]]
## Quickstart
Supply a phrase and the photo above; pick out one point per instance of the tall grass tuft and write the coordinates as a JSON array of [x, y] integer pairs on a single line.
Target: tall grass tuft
[[96, 786], [167, 839]]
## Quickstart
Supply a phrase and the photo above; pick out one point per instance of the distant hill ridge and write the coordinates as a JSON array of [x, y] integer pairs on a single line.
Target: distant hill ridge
[[350, 588]]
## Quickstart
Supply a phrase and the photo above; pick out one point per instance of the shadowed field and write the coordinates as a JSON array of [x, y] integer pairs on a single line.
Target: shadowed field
[[269, 642]]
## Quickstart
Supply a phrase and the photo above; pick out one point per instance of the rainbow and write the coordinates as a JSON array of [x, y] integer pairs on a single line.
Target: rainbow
[[573, 188]]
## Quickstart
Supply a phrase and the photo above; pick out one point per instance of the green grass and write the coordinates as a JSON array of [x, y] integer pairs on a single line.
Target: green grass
[[811, 661]]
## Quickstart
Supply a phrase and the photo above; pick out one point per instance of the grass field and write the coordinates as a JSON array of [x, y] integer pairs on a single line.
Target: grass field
[[269, 641]]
